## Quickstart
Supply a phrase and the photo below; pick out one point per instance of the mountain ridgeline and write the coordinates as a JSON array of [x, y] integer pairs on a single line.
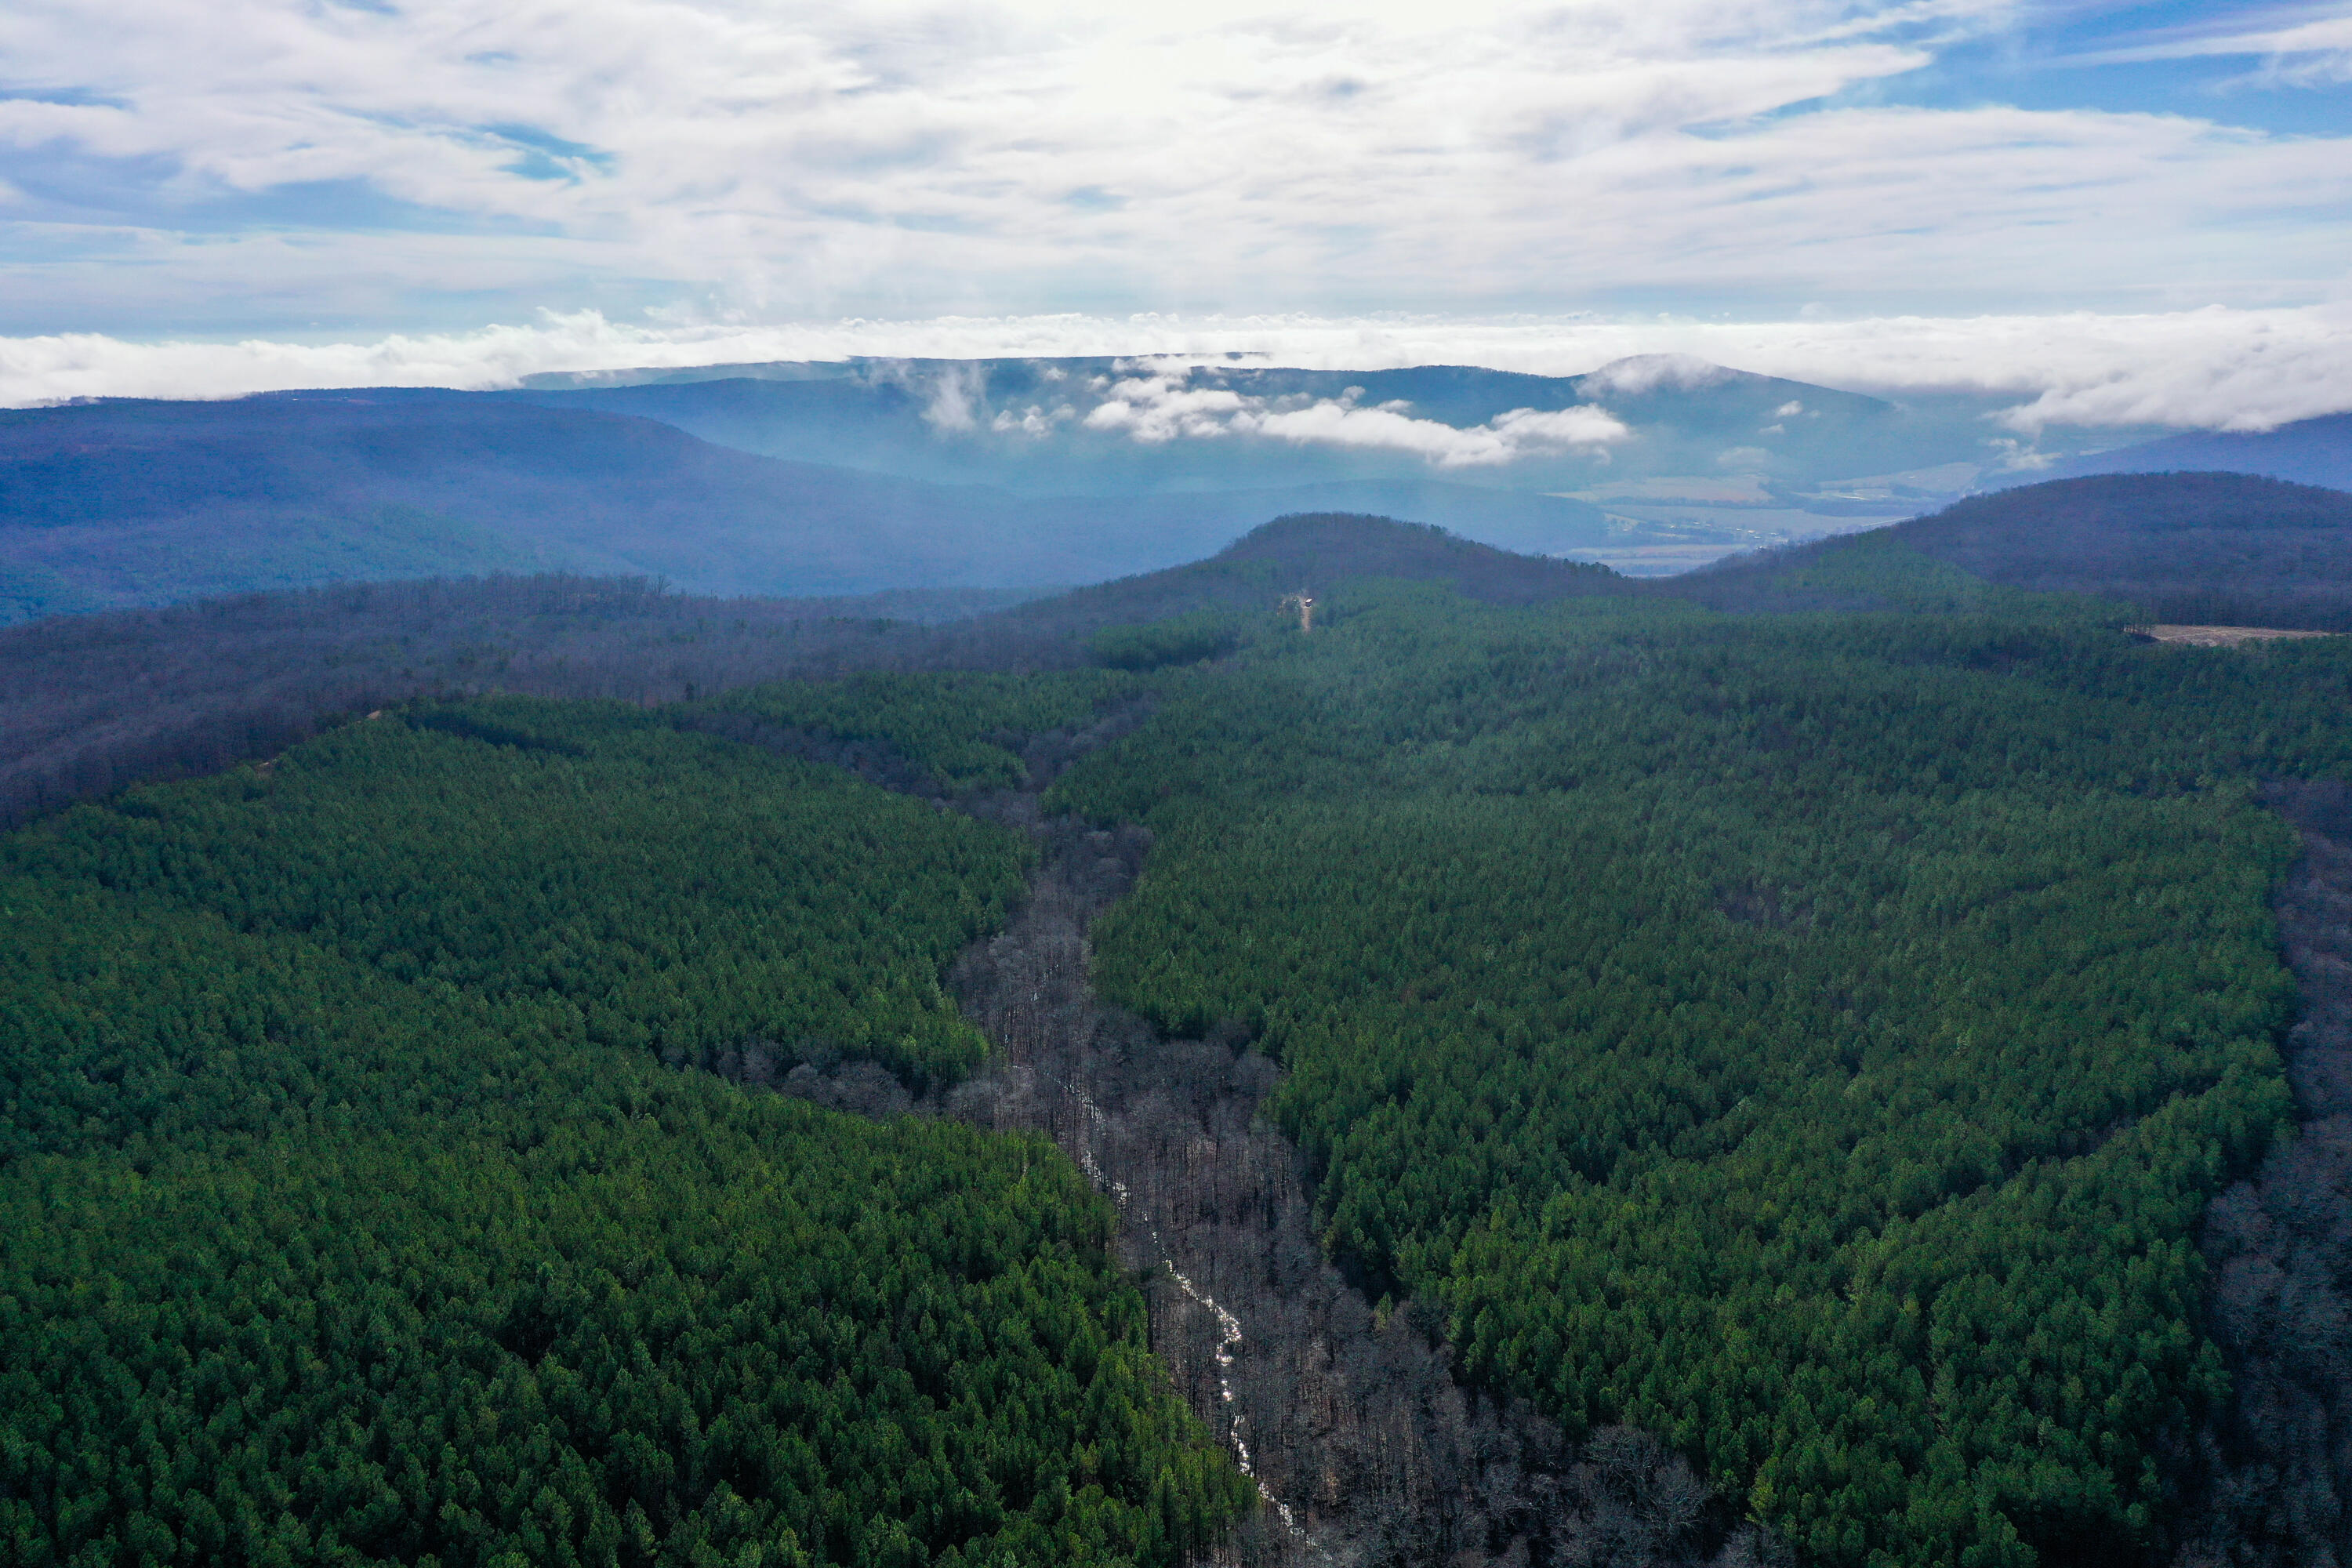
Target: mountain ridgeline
[[136, 503], [871, 476], [1035, 427], [1790, 1025], [2186, 548], [2306, 452], [94, 702], [128, 503]]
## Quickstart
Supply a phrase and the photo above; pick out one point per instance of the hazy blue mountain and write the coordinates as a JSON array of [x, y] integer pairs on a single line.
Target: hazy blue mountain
[[124, 503], [876, 475], [1040, 425], [2308, 452], [146, 502], [1687, 460]]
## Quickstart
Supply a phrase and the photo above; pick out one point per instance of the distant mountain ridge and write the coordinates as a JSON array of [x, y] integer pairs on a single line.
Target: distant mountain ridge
[[126, 503], [1039, 425], [2309, 452], [874, 475], [147, 502]]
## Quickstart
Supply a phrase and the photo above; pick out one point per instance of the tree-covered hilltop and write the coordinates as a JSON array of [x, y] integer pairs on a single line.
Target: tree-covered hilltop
[[1811, 1038], [92, 704], [2227, 548], [351, 1212]]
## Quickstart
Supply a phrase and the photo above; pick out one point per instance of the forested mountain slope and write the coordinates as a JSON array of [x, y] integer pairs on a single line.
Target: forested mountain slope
[[353, 1213], [1812, 1040], [90, 704], [2196, 548]]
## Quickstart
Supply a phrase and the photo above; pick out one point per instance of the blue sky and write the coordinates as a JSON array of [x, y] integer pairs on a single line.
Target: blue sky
[[2208, 61], [323, 176]]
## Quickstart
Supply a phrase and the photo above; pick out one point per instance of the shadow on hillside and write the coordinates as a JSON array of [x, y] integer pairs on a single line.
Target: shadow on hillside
[[2273, 1472]]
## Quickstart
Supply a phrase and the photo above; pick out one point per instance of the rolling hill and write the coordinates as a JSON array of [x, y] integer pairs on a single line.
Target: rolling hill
[[2201, 548]]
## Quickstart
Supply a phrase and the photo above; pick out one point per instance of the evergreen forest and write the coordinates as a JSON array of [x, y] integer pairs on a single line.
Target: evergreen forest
[[1812, 1038], [365, 1202]]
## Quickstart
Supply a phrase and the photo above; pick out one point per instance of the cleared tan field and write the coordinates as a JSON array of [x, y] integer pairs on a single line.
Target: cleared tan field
[[2222, 636]]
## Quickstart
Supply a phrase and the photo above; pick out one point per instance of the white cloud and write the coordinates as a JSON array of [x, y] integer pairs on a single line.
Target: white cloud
[[2312, 52], [1637, 374], [1168, 407], [2236, 369], [1035, 420], [910, 158], [1158, 409], [1517, 432], [954, 397]]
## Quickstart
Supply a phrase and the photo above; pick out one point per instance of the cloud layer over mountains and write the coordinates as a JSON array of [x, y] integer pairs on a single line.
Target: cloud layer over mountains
[[2215, 368]]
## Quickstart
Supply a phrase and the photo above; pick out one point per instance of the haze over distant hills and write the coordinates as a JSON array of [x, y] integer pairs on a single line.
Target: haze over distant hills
[[872, 476], [1688, 459], [2308, 452], [128, 503], [1121, 425]]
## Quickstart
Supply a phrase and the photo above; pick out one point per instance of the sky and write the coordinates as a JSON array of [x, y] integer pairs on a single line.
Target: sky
[[2123, 213]]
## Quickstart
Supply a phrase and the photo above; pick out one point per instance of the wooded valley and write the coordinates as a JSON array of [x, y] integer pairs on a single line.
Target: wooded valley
[[1799, 1023]]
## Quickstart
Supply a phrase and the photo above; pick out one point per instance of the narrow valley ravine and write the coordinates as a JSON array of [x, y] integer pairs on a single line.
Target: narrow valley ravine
[[2271, 1474], [1348, 1418]]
